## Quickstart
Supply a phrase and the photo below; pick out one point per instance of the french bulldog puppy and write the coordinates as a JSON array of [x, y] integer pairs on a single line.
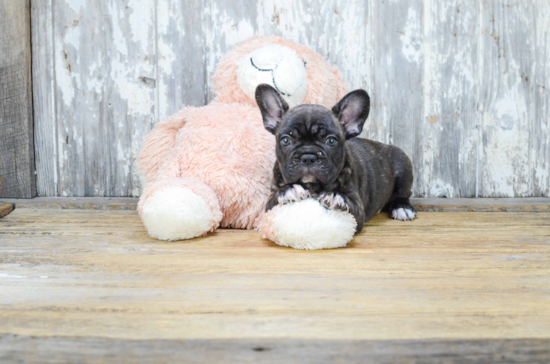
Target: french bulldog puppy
[[318, 157]]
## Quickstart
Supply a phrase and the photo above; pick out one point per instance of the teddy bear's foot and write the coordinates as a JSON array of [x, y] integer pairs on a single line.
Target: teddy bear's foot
[[178, 212]]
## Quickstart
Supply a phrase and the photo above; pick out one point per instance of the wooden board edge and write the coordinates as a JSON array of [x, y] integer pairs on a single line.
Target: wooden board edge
[[482, 208], [34, 349], [541, 204], [78, 206], [5, 209]]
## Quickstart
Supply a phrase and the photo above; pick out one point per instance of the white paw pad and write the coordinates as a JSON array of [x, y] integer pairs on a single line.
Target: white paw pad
[[403, 214], [294, 194], [333, 201]]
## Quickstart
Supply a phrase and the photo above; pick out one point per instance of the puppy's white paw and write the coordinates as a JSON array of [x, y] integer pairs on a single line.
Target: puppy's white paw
[[403, 214], [293, 194], [332, 201]]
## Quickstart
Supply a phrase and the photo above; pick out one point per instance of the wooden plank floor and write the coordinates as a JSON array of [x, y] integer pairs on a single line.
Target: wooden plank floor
[[81, 285]]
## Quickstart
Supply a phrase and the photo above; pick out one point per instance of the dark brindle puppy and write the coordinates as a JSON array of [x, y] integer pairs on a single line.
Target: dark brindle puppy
[[317, 157]]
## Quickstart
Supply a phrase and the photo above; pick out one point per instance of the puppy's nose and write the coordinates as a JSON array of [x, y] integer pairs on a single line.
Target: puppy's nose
[[308, 158]]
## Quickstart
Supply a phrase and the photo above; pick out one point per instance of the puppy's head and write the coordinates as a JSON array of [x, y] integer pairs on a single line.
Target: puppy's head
[[310, 139]]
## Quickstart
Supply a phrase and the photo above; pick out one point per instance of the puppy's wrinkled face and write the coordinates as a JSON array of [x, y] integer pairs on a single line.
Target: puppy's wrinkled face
[[310, 145], [310, 139]]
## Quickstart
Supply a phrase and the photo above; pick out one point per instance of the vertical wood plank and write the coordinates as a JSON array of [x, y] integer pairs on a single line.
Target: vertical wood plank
[[339, 31], [446, 145], [181, 69], [105, 93], [45, 129], [118, 67], [540, 131], [398, 70], [17, 177], [506, 98], [224, 25]]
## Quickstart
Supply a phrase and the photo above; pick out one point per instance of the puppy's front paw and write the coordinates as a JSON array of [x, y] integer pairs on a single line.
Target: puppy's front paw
[[293, 194], [333, 201], [403, 213]]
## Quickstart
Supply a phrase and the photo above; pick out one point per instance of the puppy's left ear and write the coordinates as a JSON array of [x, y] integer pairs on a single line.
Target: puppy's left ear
[[272, 106], [352, 111]]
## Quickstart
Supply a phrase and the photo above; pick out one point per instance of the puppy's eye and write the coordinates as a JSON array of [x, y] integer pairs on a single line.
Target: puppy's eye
[[286, 141], [331, 141]]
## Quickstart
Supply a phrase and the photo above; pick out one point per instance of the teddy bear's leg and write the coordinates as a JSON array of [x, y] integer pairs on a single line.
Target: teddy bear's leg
[[179, 209]]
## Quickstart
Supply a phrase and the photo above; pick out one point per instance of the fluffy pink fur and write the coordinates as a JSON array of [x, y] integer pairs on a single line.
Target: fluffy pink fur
[[222, 151], [265, 225]]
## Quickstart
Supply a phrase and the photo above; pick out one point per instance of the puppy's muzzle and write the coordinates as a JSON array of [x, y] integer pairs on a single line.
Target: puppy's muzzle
[[308, 159]]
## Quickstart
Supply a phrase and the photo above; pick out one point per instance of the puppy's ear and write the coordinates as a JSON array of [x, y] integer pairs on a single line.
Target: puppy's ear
[[352, 111], [272, 106]]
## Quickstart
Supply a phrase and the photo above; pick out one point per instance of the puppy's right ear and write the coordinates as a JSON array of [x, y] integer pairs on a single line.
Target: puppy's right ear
[[272, 106], [352, 111]]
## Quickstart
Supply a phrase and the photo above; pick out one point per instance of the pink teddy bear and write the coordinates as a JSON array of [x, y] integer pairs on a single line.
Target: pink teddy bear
[[211, 166]]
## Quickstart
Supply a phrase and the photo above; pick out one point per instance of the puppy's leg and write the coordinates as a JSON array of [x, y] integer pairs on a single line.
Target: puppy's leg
[[400, 207], [287, 194]]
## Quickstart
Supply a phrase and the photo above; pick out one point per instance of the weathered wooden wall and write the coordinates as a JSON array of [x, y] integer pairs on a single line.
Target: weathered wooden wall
[[463, 86], [17, 177]]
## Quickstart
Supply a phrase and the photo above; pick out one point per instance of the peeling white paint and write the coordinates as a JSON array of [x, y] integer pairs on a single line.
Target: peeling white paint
[[119, 37], [72, 37], [141, 20], [439, 188], [466, 79], [138, 96], [410, 37], [94, 83], [67, 54], [76, 5], [510, 61], [225, 32], [166, 62]]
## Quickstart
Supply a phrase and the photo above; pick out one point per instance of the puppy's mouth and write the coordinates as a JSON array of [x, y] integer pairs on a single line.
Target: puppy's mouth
[[308, 178]]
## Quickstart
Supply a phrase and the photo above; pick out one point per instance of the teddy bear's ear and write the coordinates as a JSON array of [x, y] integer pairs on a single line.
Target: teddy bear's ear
[[272, 106], [352, 111]]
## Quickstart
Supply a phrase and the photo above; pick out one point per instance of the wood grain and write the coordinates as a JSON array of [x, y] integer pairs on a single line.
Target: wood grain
[[181, 71], [17, 173], [506, 98], [464, 284], [398, 65], [29, 349], [224, 24], [104, 59], [5, 209], [540, 127], [95, 203], [462, 87], [43, 80], [446, 136], [333, 28]]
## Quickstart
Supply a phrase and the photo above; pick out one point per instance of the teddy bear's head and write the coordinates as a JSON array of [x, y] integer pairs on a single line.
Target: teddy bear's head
[[300, 75]]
